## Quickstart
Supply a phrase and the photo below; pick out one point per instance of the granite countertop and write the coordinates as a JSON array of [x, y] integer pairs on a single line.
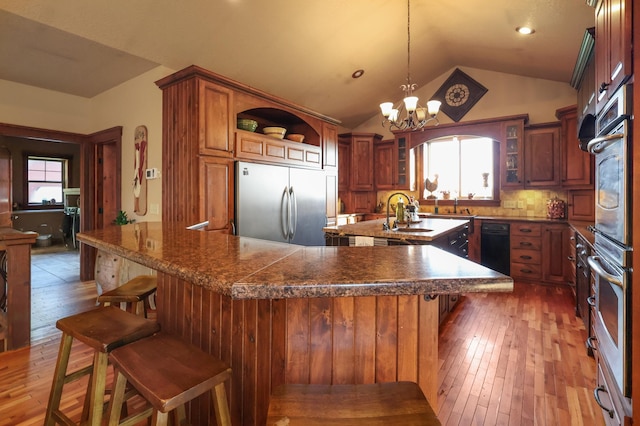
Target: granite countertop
[[249, 268], [373, 228]]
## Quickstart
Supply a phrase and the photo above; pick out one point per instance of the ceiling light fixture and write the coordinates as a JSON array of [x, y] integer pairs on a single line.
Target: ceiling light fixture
[[357, 73], [416, 116], [525, 30]]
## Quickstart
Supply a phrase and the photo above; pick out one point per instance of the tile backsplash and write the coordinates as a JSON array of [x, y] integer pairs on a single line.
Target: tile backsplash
[[522, 203]]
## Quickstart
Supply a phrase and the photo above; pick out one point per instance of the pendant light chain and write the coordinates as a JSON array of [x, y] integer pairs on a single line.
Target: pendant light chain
[[408, 88]]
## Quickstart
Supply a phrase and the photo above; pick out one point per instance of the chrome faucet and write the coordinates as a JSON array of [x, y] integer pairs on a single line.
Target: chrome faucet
[[387, 226]]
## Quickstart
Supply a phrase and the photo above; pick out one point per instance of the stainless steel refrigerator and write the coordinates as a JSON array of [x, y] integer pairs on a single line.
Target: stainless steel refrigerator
[[279, 203]]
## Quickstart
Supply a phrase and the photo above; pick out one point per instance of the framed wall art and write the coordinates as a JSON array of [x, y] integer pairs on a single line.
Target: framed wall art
[[458, 94]]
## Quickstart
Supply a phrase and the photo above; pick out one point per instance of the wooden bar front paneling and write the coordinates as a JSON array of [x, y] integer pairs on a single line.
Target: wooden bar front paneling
[[18, 249], [321, 340]]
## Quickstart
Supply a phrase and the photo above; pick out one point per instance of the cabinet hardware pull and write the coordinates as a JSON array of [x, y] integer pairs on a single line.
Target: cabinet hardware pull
[[525, 257], [525, 230], [571, 258], [526, 271], [603, 87], [590, 343], [591, 301], [525, 243], [596, 395]]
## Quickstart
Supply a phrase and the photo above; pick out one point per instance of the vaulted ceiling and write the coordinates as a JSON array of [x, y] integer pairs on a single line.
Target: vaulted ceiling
[[304, 51]]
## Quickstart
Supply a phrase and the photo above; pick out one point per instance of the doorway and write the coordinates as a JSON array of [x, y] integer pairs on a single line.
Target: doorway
[[100, 158]]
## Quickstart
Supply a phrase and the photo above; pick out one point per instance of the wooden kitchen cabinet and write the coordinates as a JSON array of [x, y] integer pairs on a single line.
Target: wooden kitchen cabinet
[[539, 252], [577, 165], [511, 155], [360, 166], [217, 205], [526, 256], [581, 205], [555, 250], [392, 164], [201, 144], [613, 47], [344, 160], [384, 165], [355, 171], [542, 156]]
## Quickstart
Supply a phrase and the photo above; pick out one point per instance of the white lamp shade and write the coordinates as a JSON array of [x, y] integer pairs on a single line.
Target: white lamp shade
[[393, 116], [386, 108], [410, 103], [433, 107]]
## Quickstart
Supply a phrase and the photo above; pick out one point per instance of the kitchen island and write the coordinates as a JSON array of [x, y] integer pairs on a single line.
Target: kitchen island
[[280, 313]]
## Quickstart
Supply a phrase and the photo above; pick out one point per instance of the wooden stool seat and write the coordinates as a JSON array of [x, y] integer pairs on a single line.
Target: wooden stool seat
[[168, 373], [103, 329], [398, 403], [135, 293]]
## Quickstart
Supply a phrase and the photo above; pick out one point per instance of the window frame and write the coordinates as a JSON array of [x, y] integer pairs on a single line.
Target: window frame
[[66, 167], [494, 128]]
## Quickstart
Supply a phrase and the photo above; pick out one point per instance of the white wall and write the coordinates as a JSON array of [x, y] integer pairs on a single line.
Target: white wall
[[34, 107], [131, 104], [135, 103], [507, 95]]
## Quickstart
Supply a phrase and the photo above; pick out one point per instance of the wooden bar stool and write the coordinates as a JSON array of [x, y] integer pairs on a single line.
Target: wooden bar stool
[[168, 373], [135, 293], [103, 329], [398, 403]]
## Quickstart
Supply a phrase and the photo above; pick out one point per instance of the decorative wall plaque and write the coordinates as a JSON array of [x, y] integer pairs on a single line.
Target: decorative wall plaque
[[459, 94]]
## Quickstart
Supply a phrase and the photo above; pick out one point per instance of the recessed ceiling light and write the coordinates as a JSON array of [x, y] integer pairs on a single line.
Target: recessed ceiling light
[[525, 30], [357, 73]]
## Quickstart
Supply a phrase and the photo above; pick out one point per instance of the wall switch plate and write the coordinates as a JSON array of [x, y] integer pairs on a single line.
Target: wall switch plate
[[509, 204], [154, 209]]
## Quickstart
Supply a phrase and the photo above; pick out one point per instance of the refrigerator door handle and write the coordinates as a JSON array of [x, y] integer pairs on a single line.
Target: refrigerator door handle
[[293, 220], [286, 213]]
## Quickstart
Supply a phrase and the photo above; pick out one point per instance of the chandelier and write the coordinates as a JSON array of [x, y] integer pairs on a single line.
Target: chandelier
[[415, 116]]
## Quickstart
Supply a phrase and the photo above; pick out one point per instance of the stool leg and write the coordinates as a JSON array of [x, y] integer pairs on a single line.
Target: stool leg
[[98, 384], [220, 404], [117, 398], [58, 378], [159, 419]]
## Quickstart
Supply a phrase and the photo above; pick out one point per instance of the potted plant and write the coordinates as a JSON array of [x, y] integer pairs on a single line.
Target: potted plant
[[122, 218]]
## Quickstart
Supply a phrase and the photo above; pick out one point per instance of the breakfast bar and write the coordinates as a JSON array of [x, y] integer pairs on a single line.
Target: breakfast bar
[[281, 313]]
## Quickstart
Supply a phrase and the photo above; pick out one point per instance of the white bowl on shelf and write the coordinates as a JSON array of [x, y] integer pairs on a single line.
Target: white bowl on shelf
[[276, 132]]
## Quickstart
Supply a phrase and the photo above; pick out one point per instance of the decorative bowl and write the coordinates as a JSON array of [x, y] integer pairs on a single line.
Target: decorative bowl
[[247, 124], [276, 132], [295, 137]]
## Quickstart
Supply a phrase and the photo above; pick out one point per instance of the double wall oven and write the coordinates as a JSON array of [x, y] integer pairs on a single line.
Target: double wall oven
[[611, 262]]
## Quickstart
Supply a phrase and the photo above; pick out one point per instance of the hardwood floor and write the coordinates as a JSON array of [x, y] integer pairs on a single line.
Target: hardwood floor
[[516, 359], [505, 359]]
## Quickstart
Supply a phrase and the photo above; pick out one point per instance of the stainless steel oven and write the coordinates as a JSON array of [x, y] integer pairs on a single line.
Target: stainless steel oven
[[612, 156], [611, 260]]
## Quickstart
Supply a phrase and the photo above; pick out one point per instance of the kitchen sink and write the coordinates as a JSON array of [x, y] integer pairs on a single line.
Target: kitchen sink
[[413, 230]]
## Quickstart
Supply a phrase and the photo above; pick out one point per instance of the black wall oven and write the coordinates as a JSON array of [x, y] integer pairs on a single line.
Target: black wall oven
[[611, 261]]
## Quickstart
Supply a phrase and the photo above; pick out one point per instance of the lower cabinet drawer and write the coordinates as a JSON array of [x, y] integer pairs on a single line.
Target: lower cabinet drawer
[[526, 256], [526, 270]]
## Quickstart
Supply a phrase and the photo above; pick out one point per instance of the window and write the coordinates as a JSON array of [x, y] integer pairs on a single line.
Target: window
[[463, 167], [45, 180]]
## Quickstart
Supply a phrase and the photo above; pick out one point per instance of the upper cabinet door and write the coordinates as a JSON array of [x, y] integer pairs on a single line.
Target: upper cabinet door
[[542, 157], [216, 119], [613, 47]]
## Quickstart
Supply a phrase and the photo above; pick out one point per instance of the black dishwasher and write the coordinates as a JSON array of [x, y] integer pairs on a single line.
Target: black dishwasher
[[494, 247]]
